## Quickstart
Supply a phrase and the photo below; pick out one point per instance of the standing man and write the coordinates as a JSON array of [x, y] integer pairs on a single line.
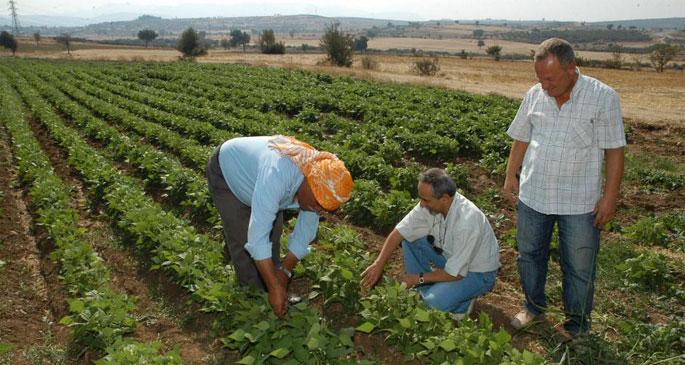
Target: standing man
[[251, 181], [566, 125], [450, 251]]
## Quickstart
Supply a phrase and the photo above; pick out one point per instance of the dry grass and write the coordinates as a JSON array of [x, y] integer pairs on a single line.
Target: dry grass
[[646, 96]]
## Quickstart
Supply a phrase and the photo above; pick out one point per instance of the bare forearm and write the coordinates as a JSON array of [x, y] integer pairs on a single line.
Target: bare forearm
[[518, 151], [614, 172], [389, 246], [439, 275], [267, 271]]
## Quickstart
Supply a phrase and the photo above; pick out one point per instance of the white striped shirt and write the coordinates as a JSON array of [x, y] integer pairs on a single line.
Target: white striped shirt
[[562, 168]]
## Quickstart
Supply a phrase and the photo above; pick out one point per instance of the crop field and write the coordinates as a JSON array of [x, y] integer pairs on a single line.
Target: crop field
[[111, 250]]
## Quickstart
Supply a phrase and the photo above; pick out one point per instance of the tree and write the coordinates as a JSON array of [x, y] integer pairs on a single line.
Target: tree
[[661, 54], [616, 60], [610, 26], [190, 44], [147, 35], [268, 44], [494, 51], [65, 39], [36, 37], [480, 43], [478, 33], [239, 38], [225, 43], [426, 66], [337, 45], [361, 44], [8, 41]]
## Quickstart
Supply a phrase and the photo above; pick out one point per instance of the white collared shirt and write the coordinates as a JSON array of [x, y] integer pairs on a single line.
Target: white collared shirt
[[465, 236], [562, 167]]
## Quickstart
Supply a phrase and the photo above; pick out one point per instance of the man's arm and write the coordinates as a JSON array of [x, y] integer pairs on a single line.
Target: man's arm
[[277, 294], [434, 276], [606, 206], [373, 273], [511, 182]]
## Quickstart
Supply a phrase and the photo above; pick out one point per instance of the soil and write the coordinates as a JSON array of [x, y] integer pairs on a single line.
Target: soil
[[28, 309], [162, 308]]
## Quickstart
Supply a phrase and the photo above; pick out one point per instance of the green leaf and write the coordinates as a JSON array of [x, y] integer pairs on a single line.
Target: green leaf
[[313, 343], [247, 360], [279, 353], [366, 327], [346, 274], [405, 322], [66, 320], [238, 335], [263, 325], [76, 306], [448, 345], [428, 344], [422, 315]]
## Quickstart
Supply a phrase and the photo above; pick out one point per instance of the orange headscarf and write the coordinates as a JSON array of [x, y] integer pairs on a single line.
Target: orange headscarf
[[326, 175]]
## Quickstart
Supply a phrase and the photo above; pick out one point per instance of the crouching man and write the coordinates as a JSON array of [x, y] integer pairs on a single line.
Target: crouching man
[[450, 251]]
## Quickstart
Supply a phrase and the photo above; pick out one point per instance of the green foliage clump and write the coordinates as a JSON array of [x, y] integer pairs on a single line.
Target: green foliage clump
[[390, 208], [127, 352], [666, 231], [268, 44], [648, 271], [190, 45], [337, 46]]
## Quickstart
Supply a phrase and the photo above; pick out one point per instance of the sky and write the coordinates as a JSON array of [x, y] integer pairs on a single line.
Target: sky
[[579, 10]]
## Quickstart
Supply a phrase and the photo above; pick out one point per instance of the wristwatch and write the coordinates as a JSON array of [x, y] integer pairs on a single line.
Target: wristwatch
[[421, 281], [286, 272]]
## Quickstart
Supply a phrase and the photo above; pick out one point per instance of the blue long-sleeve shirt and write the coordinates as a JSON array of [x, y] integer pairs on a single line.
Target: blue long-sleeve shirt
[[267, 182]]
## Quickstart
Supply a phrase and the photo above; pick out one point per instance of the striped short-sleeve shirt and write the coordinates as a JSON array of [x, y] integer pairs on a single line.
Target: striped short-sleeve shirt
[[562, 167]]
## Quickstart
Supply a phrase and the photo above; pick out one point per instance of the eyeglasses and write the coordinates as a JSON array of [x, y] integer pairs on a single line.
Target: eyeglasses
[[431, 241]]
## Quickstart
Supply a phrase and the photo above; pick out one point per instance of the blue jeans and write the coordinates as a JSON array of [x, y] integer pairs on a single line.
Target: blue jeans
[[448, 296], [578, 248]]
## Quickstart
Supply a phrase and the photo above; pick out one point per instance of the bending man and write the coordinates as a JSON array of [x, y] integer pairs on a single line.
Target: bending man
[[251, 181]]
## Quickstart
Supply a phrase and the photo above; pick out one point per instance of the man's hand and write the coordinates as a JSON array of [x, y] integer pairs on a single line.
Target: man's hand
[[604, 211], [371, 275], [278, 300], [411, 280], [510, 189], [274, 285]]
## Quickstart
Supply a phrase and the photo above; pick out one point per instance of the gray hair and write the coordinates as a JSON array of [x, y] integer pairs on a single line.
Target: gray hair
[[557, 47], [439, 181]]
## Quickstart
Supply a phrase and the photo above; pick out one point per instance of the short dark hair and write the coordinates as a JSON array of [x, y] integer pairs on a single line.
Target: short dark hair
[[439, 181], [557, 47]]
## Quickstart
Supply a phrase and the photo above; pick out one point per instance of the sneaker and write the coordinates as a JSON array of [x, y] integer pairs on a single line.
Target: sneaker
[[460, 316], [524, 318]]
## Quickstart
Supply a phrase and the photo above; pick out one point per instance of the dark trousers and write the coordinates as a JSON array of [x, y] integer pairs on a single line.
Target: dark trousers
[[235, 218]]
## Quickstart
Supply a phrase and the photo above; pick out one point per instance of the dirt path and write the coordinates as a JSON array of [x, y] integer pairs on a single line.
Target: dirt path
[[27, 313], [162, 312]]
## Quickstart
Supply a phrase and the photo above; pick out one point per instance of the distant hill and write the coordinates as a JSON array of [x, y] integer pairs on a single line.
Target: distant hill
[[171, 27], [663, 23], [305, 25]]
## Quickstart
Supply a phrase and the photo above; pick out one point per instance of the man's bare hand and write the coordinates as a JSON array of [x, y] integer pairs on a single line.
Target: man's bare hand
[[604, 211], [510, 189], [278, 300], [371, 275]]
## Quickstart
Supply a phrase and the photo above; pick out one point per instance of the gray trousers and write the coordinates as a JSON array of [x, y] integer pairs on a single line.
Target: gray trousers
[[235, 218]]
